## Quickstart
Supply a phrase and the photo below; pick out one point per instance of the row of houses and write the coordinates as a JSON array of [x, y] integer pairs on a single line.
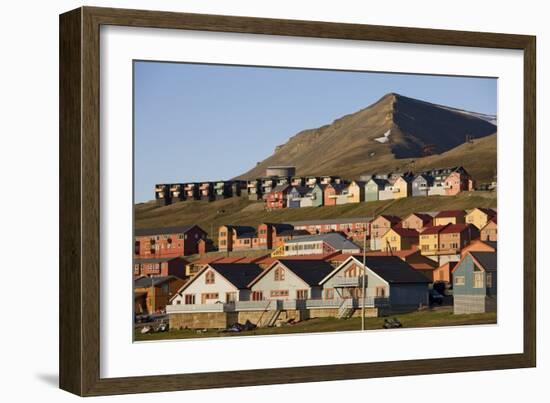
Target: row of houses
[[371, 187], [280, 188]]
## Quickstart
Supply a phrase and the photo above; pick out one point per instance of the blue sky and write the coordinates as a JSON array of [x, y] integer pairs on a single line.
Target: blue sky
[[210, 122]]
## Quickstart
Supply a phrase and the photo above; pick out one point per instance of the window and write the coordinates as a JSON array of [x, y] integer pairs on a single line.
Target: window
[[351, 272], [223, 242], [257, 295], [223, 234], [301, 294], [279, 293], [279, 274], [209, 277], [209, 295], [478, 280], [489, 280], [381, 291], [189, 299], [459, 280], [329, 293], [230, 296]]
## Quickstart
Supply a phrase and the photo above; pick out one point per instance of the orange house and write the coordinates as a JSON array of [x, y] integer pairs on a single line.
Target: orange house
[[417, 221], [332, 191], [489, 231]]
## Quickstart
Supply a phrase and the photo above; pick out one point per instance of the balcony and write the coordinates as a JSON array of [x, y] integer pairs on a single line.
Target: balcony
[[346, 282]]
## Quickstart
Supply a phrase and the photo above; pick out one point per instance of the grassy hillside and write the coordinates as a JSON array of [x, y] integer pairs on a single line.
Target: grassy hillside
[[241, 211]]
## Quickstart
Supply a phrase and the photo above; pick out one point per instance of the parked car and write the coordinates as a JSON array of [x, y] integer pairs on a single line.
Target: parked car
[[435, 297]]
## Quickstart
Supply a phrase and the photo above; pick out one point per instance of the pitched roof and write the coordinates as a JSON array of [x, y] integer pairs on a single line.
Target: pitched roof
[[310, 271], [238, 274], [280, 188], [280, 227], [487, 260], [379, 182], [242, 231], [163, 230], [423, 216], [452, 228], [332, 221], [404, 232], [294, 232], [301, 190], [391, 218], [334, 239], [450, 213], [338, 187], [394, 270], [489, 211], [436, 229]]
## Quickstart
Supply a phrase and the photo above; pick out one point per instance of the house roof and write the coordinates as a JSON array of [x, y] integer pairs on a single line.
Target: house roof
[[242, 231], [163, 230], [238, 274], [434, 230], [156, 260], [280, 188], [379, 182], [310, 271], [301, 190], [487, 260], [334, 239], [294, 232], [423, 216], [143, 282], [488, 211], [390, 268], [404, 232], [453, 228], [394, 270], [279, 227], [391, 218], [338, 187], [450, 213]]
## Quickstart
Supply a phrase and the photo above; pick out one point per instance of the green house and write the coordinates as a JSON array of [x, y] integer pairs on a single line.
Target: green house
[[372, 187]]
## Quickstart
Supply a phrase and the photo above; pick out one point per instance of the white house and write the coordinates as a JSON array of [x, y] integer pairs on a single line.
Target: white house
[[317, 244], [218, 283]]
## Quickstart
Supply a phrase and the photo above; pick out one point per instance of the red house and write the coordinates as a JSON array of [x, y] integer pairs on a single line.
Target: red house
[[277, 198], [168, 241], [166, 266], [331, 191]]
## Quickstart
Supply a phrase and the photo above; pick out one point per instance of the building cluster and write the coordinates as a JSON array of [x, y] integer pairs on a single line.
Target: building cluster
[[281, 188], [315, 268]]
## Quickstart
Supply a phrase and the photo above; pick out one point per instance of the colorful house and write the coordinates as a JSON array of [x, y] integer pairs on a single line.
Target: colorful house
[[254, 189], [373, 187], [475, 283], [401, 187], [191, 191], [378, 227], [277, 198], [480, 217], [450, 217], [420, 185], [454, 237], [443, 274], [166, 266], [176, 192], [429, 240], [237, 237], [458, 181], [168, 241], [489, 231], [319, 244], [356, 192], [397, 238], [417, 221], [296, 195], [477, 245], [206, 191], [314, 196], [332, 191], [152, 294]]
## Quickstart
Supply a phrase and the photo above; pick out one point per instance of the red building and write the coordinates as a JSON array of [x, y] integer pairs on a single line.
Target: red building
[[277, 198], [332, 190], [168, 241], [166, 266]]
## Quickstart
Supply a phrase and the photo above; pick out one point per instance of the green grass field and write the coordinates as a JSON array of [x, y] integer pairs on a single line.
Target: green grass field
[[241, 211], [427, 318]]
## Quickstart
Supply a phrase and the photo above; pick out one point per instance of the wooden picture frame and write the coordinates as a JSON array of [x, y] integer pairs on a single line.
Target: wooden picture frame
[[80, 199]]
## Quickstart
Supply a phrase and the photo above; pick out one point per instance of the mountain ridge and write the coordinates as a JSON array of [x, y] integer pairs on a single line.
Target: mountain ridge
[[392, 129]]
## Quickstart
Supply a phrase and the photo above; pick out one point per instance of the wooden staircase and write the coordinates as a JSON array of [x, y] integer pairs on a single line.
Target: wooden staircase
[[346, 309]]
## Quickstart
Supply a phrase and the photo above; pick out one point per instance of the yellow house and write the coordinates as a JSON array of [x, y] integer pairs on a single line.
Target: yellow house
[[429, 240], [401, 188], [396, 239], [479, 217], [356, 192]]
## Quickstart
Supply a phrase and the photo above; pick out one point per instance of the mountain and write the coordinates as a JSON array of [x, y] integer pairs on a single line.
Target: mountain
[[396, 132]]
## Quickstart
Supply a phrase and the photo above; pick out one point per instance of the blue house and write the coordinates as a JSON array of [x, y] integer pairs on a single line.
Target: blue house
[[295, 196], [475, 283]]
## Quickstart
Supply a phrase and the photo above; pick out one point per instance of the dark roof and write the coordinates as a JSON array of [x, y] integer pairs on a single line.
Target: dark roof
[[452, 228], [311, 271], [243, 231], [423, 216], [163, 230], [238, 274], [301, 190], [334, 239], [434, 230], [293, 232], [156, 260], [492, 244], [405, 232], [143, 282], [280, 227], [451, 213], [338, 187], [488, 260], [391, 218], [353, 220], [489, 211], [379, 182], [394, 270], [280, 188]]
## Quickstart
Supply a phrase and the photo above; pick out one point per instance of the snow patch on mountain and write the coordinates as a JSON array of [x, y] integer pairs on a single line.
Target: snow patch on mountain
[[385, 138]]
